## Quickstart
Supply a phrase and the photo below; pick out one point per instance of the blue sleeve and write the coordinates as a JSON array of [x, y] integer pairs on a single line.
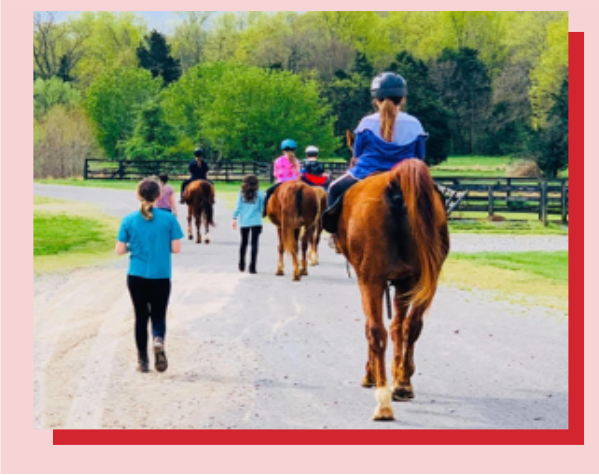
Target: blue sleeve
[[190, 167], [262, 201], [421, 146], [238, 207], [123, 235], [176, 231], [359, 144]]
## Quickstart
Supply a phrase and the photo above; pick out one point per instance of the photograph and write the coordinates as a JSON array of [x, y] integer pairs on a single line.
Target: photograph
[[301, 220]]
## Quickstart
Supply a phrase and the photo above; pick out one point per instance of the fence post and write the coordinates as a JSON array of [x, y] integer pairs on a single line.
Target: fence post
[[272, 172], [226, 172], [85, 168], [564, 203], [491, 201], [121, 171], [544, 203]]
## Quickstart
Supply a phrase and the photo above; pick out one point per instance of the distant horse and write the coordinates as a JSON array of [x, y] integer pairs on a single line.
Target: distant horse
[[393, 231], [294, 208], [315, 242], [199, 197]]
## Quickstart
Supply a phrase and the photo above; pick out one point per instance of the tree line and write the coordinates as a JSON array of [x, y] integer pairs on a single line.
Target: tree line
[[485, 83]]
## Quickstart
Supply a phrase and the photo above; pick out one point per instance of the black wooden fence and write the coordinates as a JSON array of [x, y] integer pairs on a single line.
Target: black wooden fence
[[226, 170], [490, 195]]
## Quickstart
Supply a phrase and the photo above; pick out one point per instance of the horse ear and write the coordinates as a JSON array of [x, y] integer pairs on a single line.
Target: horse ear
[[350, 138]]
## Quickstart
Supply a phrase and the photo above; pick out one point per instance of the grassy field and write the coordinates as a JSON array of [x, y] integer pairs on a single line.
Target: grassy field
[[528, 278], [68, 235]]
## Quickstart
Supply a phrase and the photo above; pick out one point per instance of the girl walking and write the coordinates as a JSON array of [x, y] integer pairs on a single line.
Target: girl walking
[[248, 217], [150, 235], [167, 197]]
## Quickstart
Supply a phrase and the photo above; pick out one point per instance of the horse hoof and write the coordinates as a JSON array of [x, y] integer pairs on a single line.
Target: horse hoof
[[383, 414], [304, 272], [367, 382], [279, 272], [402, 394], [206, 241], [296, 278], [190, 237]]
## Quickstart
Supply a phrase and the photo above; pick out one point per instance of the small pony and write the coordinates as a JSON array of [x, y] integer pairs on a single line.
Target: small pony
[[295, 209], [199, 197], [393, 231]]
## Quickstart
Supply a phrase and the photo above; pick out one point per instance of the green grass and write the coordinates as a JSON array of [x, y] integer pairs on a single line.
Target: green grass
[[68, 235], [57, 233], [528, 226], [523, 278], [548, 265]]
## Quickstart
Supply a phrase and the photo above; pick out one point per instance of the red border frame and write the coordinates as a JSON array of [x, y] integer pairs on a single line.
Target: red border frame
[[24, 451]]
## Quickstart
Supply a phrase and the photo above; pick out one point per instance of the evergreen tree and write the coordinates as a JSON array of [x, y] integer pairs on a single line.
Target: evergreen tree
[[154, 54], [423, 102], [552, 143], [153, 136]]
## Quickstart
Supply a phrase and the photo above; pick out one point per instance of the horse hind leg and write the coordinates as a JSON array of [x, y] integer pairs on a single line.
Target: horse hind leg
[[401, 391], [314, 247], [189, 218], [305, 239], [405, 368], [281, 249], [297, 274], [207, 228], [372, 301], [198, 222]]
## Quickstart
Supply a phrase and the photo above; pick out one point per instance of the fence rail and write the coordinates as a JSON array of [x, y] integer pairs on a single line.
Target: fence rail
[[485, 194]]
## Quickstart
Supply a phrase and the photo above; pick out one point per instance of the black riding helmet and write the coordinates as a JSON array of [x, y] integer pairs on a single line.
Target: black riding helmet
[[388, 85], [198, 152]]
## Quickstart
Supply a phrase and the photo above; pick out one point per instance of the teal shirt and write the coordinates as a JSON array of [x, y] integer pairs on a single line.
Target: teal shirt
[[249, 214], [150, 243]]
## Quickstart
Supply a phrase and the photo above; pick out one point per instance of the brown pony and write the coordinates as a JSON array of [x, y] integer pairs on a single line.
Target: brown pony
[[393, 231], [294, 208], [199, 197]]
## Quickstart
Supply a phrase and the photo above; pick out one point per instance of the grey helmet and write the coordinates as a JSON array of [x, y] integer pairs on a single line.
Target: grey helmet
[[388, 85], [311, 151]]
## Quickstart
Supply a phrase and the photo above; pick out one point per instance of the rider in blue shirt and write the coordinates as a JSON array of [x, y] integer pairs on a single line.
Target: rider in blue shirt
[[382, 141]]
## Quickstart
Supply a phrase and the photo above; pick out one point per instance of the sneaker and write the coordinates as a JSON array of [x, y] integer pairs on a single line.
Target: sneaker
[[160, 362], [143, 365], [253, 270], [241, 267]]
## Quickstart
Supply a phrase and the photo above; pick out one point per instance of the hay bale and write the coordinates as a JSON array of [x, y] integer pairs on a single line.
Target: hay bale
[[524, 169]]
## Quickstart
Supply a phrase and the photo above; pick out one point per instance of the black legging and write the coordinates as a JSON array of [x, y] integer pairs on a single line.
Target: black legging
[[150, 301], [255, 236], [338, 188]]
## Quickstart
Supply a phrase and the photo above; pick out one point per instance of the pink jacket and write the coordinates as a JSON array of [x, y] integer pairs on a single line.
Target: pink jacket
[[285, 171]]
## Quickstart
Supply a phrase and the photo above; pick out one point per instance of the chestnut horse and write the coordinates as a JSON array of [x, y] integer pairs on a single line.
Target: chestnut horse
[[199, 197], [295, 209], [393, 231]]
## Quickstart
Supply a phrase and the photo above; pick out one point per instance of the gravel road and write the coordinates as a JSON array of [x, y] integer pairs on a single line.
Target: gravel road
[[263, 352]]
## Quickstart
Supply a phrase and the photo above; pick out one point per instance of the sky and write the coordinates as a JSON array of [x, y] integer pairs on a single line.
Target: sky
[[162, 21]]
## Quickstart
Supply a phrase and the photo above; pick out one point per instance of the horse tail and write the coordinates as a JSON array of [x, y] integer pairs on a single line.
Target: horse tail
[[290, 198], [208, 192], [425, 214]]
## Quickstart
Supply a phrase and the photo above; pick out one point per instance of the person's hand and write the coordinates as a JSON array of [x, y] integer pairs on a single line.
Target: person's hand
[[234, 225]]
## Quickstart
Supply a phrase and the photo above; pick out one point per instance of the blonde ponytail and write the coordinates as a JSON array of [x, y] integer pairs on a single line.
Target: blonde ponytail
[[146, 210], [388, 111]]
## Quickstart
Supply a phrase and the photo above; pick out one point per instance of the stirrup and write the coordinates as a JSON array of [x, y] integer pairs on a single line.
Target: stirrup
[[454, 201]]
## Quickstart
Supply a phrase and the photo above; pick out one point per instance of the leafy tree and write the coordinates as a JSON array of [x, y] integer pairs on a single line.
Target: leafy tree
[[111, 41], [424, 103], [465, 88], [153, 136], [113, 102], [155, 56], [50, 92], [189, 38], [552, 144]]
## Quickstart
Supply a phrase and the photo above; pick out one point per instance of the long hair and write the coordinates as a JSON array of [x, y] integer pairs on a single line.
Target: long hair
[[388, 111], [249, 188], [148, 191], [292, 159]]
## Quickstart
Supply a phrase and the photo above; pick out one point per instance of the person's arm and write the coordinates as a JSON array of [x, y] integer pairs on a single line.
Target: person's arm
[[176, 235], [173, 204], [359, 144], [122, 239], [421, 146], [237, 211], [176, 246]]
